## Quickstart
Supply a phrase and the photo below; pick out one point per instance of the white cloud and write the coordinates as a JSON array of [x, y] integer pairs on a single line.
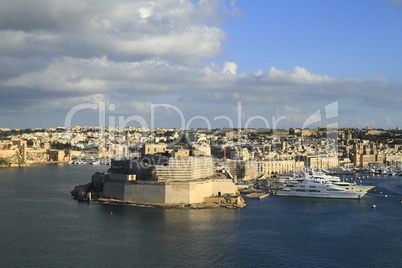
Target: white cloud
[[124, 30], [146, 12], [58, 53], [380, 79], [141, 107], [229, 68], [297, 75], [294, 114], [217, 83], [66, 75]]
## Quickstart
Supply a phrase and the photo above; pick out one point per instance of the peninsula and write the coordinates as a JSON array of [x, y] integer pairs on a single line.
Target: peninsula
[[164, 182]]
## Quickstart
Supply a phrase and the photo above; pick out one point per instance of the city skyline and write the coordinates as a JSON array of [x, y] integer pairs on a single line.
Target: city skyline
[[276, 59]]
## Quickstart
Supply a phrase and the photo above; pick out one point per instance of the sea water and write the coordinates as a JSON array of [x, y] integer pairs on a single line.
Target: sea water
[[42, 226]]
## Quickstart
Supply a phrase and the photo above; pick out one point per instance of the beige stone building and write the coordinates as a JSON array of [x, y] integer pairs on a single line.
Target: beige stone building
[[181, 152], [395, 159], [202, 151], [188, 168], [152, 148], [17, 153], [245, 169], [14, 152], [59, 156], [323, 161], [281, 166], [365, 160]]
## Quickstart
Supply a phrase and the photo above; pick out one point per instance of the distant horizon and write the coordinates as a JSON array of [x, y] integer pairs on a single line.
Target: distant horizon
[[201, 128]]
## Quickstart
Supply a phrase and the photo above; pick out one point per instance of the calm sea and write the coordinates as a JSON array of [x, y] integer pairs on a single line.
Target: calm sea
[[42, 226]]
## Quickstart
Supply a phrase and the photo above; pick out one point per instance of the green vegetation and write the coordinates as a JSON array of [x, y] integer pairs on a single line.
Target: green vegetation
[[3, 161], [15, 132], [184, 141], [384, 137], [62, 146]]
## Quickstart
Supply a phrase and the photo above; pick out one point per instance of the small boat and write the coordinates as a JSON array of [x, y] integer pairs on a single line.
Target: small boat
[[246, 191], [257, 195]]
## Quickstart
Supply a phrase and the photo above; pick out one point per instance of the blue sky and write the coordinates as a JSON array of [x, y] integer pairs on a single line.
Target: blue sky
[[344, 39], [210, 63]]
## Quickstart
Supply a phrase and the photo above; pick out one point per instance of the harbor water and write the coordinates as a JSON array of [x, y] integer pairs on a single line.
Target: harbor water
[[42, 226]]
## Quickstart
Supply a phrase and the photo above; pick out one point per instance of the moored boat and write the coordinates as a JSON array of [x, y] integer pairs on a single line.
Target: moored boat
[[320, 189], [257, 195]]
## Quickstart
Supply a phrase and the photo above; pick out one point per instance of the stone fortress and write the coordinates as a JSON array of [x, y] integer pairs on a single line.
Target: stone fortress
[[18, 152], [158, 179]]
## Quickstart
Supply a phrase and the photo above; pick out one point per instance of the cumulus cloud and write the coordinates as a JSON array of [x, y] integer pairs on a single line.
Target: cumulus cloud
[[380, 79], [154, 78], [294, 114], [229, 68], [56, 54], [123, 30], [298, 75]]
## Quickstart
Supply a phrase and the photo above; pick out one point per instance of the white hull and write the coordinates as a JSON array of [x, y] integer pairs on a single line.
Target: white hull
[[340, 195], [320, 188], [354, 187]]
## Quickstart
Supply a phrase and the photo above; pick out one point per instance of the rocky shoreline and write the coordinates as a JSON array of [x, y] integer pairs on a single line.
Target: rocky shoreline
[[83, 193], [94, 191], [203, 205]]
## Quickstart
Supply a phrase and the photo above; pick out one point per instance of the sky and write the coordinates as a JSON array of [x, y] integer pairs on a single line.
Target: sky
[[208, 64]]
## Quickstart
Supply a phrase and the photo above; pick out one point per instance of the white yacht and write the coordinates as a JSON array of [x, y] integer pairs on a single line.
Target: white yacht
[[322, 175], [352, 186], [319, 188]]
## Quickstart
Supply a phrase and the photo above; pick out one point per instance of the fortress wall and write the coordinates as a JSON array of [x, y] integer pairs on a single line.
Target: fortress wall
[[187, 192], [223, 186], [177, 192], [114, 189], [145, 193], [199, 190], [7, 153]]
